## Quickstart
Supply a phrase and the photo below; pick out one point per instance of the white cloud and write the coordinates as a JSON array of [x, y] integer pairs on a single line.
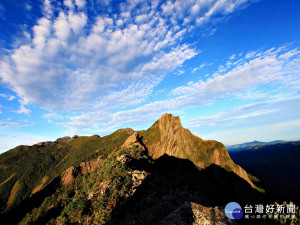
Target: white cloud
[[69, 3], [259, 109], [11, 97], [198, 68], [53, 116], [62, 27], [47, 8], [24, 110], [41, 33], [77, 21], [12, 124], [80, 3], [234, 125], [180, 72]]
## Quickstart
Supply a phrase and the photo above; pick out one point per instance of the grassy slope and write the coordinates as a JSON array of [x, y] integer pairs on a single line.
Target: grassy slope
[[31, 163]]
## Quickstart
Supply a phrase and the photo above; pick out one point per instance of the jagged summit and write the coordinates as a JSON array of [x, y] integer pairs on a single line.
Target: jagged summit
[[168, 118], [167, 123]]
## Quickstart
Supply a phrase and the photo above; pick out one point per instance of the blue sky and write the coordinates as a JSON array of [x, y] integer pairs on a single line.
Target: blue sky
[[229, 68]]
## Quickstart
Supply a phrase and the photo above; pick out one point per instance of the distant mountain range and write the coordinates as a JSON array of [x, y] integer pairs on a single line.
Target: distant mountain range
[[162, 175], [247, 145], [277, 165]]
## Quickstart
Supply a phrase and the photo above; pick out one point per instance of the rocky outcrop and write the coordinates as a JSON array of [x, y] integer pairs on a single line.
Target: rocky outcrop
[[45, 144], [137, 179], [133, 140], [87, 167], [126, 158], [65, 139], [84, 167], [192, 213], [127, 130], [70, 174]]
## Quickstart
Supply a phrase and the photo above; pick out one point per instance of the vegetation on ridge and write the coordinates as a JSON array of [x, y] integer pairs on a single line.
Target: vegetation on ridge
[[92, 198]]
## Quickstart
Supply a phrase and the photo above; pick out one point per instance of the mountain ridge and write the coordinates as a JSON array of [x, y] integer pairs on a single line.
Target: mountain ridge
[[125, 159]]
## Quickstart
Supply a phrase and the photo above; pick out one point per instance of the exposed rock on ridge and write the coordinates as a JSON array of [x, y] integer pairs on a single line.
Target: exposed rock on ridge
[[84, 167], [65, 139]]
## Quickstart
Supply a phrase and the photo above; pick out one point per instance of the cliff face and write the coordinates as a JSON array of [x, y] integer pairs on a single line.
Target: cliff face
[[167, 136]]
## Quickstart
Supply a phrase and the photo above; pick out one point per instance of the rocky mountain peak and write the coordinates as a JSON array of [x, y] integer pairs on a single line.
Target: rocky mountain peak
[[168, 121], [167, 136]]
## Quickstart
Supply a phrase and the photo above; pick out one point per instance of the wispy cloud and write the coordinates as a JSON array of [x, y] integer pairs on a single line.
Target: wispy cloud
[[9, 97], [2, 11], [198, 68], [271, 66], [250, 122], [24, 110], [12, 124], [53, 116]]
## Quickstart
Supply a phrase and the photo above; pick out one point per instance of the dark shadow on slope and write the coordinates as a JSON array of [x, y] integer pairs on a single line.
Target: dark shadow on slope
[[16, 214], [174, 181]]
